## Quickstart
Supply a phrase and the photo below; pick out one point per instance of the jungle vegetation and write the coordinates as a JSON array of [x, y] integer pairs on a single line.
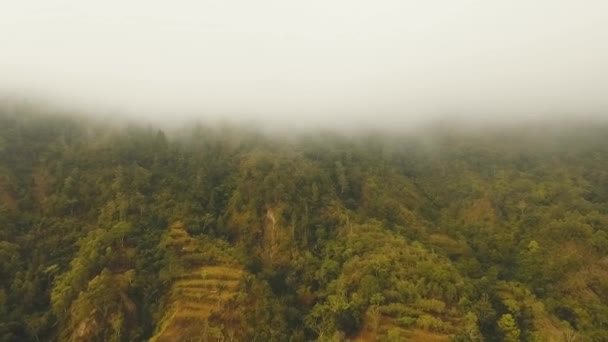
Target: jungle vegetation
[[221, 232]]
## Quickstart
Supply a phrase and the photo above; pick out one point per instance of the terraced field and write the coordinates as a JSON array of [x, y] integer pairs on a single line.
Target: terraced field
[[409, 322], [197, 293]]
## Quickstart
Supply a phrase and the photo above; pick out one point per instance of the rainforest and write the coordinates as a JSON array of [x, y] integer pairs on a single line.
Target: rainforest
[[223, 232]]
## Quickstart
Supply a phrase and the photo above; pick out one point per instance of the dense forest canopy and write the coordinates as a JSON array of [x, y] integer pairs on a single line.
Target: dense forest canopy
[[213, 232]]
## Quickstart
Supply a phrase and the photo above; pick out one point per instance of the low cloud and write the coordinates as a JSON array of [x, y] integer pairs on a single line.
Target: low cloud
[[315, 63]]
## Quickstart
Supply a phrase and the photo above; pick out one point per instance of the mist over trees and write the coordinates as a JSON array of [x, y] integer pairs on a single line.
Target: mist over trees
[[211, 232]]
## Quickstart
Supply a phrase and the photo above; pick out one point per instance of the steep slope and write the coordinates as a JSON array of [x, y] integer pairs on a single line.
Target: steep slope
[[321, 237]]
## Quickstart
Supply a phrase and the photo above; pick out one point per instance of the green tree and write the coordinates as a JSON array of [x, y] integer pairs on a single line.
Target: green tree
[[508, 328]]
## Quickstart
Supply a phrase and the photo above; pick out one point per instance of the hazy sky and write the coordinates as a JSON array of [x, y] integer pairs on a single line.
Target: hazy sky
[[317, 61]]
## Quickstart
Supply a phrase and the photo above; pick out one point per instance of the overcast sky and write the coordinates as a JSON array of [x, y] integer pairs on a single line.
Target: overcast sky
[[313, 61]]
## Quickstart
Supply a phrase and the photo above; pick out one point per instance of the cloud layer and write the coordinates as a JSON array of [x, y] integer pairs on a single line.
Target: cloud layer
[[315, 62]]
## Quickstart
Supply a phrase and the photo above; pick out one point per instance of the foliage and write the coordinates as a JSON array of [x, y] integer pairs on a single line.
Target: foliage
[[127, 233]]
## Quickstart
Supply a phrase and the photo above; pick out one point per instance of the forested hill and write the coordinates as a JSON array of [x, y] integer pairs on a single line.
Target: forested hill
[[221, 233]]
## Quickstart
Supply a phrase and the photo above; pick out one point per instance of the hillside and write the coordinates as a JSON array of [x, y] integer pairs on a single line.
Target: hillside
[[132, 233]]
